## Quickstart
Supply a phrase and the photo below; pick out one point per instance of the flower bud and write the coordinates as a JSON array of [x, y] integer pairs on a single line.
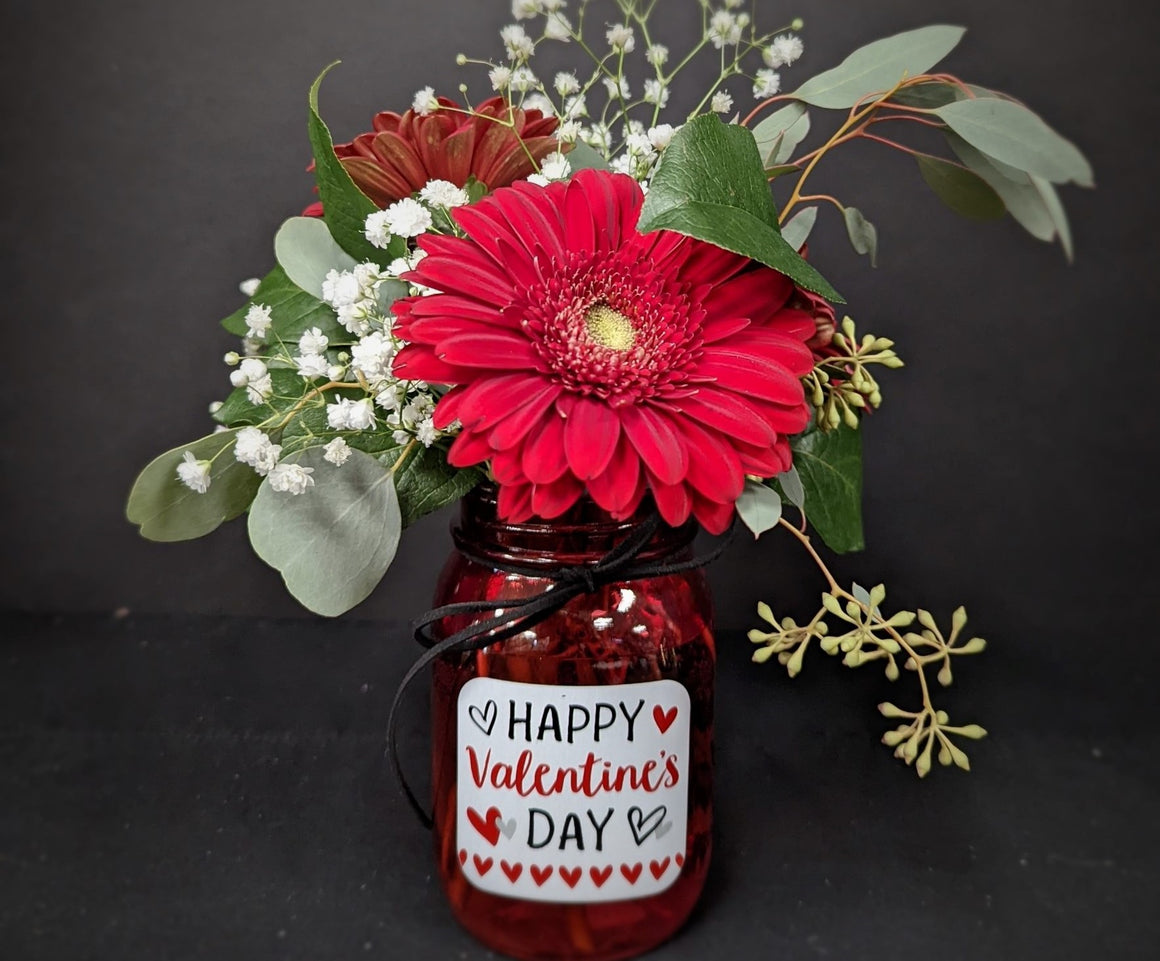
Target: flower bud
[[233, 358]]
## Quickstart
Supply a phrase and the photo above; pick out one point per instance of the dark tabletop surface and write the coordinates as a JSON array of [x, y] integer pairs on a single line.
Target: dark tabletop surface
[[181, 788]]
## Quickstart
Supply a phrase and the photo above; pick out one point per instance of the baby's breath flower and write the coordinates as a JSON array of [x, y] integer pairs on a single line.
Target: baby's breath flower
[[621, 38], [336, 452], [426, 433], [558, 27], [249, 371], [254, 449], [767, 84], [407, 218], [232, 358], [566, 83], [336, 372], [553, 167], [425, 102], [401, 437], [376, 230], [194, 473], [341, 288], [618, 88], [783, 51], [523, 79], [553, 6], [258, 321], [598, 136], [657, 54], [312, 366], [291, 479], [661, 135], [526, 9], [656, 92], [732, 4], [312, 341], [520, 47], [372, 356], [250, 287], [538, 101], [575, 107], [350, 414], [500, 77], [259, 391], [722, 102], [568, 131], [443, 193], [724, 30]]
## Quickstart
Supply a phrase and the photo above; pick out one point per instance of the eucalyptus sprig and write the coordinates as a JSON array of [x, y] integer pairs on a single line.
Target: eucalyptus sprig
[[864, 634], [840, 384]]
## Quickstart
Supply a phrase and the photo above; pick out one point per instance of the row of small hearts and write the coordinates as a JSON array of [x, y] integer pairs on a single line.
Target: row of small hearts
[[571, 876]]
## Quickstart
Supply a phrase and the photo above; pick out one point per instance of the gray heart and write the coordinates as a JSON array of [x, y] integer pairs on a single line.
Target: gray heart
[[508, 828], [664, 829], [484, 719], [642, 825]]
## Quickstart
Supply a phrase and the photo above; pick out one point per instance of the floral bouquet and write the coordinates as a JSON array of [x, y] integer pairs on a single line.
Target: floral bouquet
[[580, 292]]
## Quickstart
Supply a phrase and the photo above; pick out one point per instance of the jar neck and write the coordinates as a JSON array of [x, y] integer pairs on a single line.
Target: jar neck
[[583, 534]]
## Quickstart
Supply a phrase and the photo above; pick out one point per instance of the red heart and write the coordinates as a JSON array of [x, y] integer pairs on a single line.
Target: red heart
[[487, 825], [513, 871], [570, 876], [462, 857], [600, 875], [631, 873], [664, 719], [658, 868], [540, 875], [680, 859], [482, 865]]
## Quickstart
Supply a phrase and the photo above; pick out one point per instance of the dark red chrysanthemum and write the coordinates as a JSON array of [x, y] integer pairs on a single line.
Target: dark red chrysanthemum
[[402, 153], [589, 357]]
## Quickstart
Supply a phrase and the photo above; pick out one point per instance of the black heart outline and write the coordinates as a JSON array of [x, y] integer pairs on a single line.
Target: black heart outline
[[637, 820], [484, 719]]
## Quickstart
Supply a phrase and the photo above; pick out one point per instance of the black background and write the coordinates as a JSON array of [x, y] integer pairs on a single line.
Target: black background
[[150, 150]]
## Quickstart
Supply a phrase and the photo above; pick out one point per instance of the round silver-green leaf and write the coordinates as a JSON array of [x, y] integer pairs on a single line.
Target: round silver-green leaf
[[307, 252]]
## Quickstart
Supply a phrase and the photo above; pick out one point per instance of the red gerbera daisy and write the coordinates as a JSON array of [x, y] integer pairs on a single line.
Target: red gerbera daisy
[[589, 357], [497, 144]]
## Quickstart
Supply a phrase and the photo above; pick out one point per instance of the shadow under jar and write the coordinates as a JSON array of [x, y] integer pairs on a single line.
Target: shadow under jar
[[573, 762]]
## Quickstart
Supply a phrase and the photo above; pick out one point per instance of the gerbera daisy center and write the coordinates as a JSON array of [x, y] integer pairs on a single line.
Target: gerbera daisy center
[[609, 328]]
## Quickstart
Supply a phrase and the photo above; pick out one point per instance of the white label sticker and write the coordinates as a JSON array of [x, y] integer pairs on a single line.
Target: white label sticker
[[572, 794]]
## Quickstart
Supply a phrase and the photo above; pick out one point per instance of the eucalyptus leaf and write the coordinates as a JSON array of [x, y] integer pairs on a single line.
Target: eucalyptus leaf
[[1019, 194], [333, 543], [791, 485], [292, 310], [710, 184], [759, 507], [830, 466], [779, 134], [1012, 134], [797, 231], [879, 66], [345, 207], [582, 156], [963, 190], [863, 234], [166, 510], [307, 252], [1058, 214], [426, 482]]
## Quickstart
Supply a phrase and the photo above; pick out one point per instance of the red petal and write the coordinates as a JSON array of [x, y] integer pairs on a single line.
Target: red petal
[[758, 294], [715, 518], [551, 500], [673, 501], [727, 413], [751, 374], [515, 503], [497, 349], [615, 487], [417, 362], [658, 444], [544, 459], [590, 435], [511, 431], [473, 277], [487, 402], [714, 467], [468, 449]]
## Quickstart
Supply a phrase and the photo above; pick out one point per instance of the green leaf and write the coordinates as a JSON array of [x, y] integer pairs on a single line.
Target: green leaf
[[879, 66], [964, 191], [710, 184], [345, 207], [1012, 134], [582, 156], [779, 134], [292, 310], [1058, 214], [333, 543], [426, 481], [306, 251], [830, 466], [1017, 192], [759, 507], [790, 483], [863, 234], [798, 230], [166, 510], [238, 411]]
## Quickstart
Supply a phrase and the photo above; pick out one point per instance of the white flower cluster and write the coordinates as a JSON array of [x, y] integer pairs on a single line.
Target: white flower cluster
[[354, 295]]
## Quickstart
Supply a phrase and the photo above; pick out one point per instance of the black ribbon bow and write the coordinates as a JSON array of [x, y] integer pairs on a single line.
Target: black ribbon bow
[[519, 614]]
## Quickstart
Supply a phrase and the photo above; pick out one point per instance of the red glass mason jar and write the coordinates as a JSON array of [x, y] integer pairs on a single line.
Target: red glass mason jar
[[573, 762]]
